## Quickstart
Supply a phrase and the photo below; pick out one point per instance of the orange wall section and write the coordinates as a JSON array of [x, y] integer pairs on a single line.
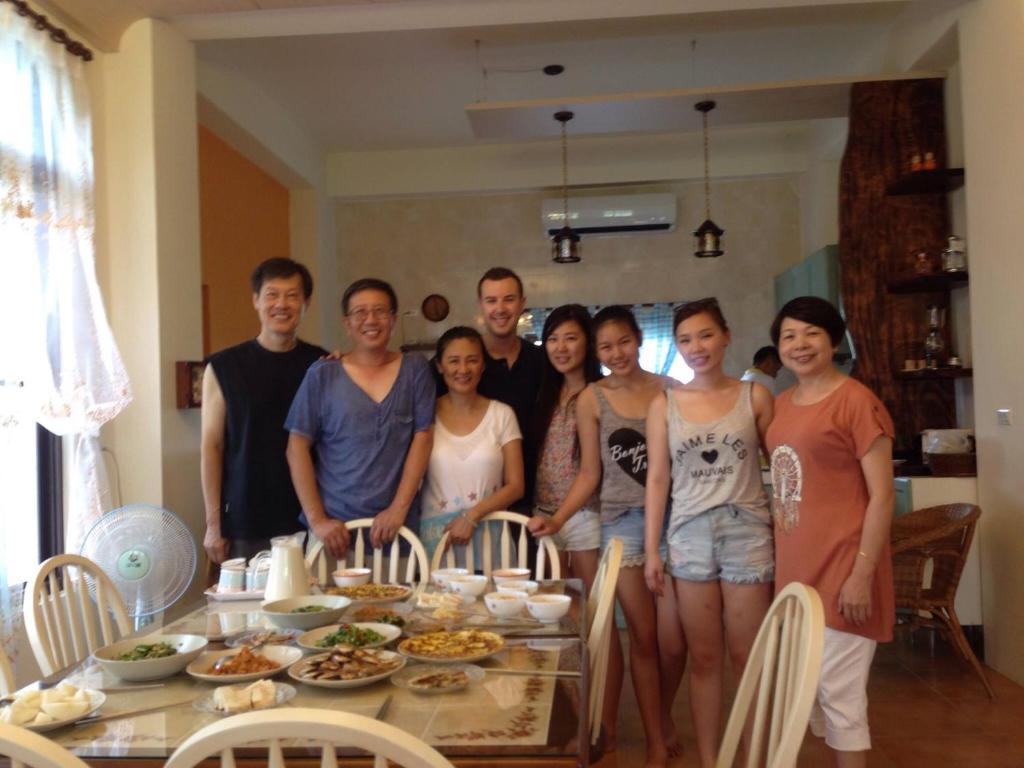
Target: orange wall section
[[243, 218]]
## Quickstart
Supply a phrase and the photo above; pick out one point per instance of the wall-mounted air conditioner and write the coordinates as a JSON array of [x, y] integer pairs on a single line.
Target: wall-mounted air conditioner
[[612, 214]]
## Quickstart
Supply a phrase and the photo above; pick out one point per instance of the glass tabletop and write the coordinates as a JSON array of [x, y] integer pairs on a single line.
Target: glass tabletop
[[529, 704]]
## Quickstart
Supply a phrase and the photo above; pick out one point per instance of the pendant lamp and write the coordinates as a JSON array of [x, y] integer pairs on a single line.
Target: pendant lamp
[[565, 245], [708, 235]]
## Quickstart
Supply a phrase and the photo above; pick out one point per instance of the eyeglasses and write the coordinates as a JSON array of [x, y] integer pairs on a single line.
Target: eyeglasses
[[378, 313]]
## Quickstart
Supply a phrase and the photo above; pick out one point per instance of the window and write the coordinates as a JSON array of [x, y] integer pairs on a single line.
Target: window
[[657, 353]]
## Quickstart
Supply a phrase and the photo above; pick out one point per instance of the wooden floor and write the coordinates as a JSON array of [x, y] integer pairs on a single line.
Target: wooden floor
[[926, 709]]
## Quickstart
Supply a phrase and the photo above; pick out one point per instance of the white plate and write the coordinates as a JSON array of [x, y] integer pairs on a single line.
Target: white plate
[[294, 673], [457, 660], [231, 597], [282, 655], [407, 590], [401, 678], [237, 641], [283, 693], [188, 646], [96, 700], [310, 639]]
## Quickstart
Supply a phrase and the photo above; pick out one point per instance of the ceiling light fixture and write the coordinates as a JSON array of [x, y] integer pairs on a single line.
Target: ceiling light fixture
[[708, 234], [565, 245]]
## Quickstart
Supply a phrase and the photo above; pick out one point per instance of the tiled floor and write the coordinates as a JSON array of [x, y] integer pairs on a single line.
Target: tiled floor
[[926, 709]]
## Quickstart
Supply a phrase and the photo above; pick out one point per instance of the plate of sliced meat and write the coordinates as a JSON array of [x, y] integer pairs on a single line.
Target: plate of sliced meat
[[347, 667]]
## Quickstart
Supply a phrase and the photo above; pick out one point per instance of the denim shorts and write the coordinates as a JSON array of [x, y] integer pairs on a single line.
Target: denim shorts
[[629, 527], [723, 543], [581, 532]]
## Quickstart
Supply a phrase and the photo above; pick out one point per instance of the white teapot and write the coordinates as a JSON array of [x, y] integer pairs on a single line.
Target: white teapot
[[288, 576]]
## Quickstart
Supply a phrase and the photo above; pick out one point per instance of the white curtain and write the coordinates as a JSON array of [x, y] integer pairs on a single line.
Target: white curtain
[[56, 345]]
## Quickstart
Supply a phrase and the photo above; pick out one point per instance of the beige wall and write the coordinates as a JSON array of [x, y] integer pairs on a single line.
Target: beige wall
[[443, 244], [991, 66]]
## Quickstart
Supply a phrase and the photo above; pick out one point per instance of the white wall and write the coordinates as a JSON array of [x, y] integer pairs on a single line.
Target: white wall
[[992, 64], [443, 244]]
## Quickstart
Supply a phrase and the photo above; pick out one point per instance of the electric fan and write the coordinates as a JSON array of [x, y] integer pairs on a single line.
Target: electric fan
[[149, 554]]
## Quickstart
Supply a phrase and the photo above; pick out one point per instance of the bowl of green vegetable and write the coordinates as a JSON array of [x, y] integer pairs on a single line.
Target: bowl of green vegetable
[[150, 658], [362, 634], [306, 612]]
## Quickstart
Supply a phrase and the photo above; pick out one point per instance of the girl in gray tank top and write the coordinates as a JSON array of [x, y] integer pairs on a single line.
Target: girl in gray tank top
[[704, 439]]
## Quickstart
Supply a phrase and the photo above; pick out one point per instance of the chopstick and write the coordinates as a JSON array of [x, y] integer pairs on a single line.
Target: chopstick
[[133, 712], [532, 673]]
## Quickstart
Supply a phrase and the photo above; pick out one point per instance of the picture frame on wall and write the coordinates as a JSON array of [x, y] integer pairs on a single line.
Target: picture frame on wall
[[189, 383]]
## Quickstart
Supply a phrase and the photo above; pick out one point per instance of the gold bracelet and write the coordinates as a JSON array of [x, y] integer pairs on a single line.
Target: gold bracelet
[[468, 518], [862, 553]]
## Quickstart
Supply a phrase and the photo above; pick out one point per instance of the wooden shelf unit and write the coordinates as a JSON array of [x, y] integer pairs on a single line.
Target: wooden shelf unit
[[933, 182], [938, 281]]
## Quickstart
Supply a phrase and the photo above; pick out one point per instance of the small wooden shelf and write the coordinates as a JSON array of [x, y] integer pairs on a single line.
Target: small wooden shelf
[[936, 182], [940, 281], [927, 374]]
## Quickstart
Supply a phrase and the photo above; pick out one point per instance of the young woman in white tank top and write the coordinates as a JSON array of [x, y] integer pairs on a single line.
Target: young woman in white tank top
[[704, 437]]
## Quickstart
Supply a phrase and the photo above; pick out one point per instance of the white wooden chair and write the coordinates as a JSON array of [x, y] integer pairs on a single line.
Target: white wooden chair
[[416, 571], [63, 622], [32, 750], [600, 625], [329, 728], [6, 674], [783, 671], [547, 553]]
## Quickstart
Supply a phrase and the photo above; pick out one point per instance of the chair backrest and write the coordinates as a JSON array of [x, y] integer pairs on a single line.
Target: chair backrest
[[328, 728], [940, 534], [416, 571], [63, 624], [6, 674], [25, 748], [547, 552], [783, 671], [600, 625]]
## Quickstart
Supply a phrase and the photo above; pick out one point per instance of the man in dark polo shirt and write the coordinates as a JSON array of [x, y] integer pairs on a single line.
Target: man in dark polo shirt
[[512, 367], [247, 389]]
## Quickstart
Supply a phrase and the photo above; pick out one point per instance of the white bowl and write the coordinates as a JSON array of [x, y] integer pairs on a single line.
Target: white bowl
[[469, 585], [529, 587], [548, 608], [504, 575], [506, 603], [281, 612], [189, 647], [351, 577], [282, 655], [441, 575]]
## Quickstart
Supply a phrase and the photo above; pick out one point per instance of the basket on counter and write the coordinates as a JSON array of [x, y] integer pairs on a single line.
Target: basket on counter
[[952, 464]]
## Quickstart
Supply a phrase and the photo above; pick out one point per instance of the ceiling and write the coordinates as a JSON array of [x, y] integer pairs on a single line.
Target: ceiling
[[400, 73]]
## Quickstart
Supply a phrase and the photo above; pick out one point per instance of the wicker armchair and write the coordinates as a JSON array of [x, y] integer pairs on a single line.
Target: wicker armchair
[[943, 536]]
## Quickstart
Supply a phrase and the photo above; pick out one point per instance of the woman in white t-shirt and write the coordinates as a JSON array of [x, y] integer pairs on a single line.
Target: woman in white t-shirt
[[476, 464]]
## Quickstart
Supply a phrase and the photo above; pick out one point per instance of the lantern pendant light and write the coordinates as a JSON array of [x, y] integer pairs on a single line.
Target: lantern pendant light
[[708, 235], [565, 245]]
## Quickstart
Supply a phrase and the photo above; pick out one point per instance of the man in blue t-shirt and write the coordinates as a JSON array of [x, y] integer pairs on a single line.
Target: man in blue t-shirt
[[370, 417]]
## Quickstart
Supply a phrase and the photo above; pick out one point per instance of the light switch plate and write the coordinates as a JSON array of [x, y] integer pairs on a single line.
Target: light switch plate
[[1004, 417]]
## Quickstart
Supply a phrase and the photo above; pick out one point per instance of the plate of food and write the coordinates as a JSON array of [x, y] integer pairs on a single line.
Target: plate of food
[[395, 614], [243, 665], [359, 634], [53, 708], [372, 593], [437, 678], [260, 637], [150, 658], [461, 645], [234, 699], [347, 667]]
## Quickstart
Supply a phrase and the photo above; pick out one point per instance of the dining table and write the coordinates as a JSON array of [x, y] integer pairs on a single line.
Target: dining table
[[529, 709]]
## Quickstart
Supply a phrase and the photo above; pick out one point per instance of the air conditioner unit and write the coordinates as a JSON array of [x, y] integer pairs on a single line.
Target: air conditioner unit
[[612, 214]]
